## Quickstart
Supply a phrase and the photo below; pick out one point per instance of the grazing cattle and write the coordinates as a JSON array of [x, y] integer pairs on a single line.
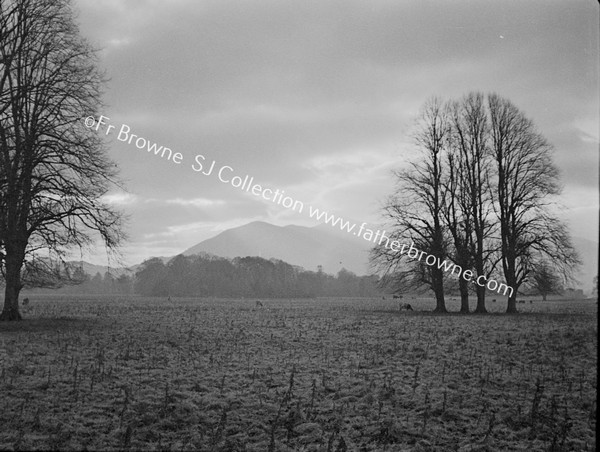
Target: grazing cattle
[[522, 301], [530, 301], [25, 301], [397, 296], [259, 304], [404, 307], [494, 300]]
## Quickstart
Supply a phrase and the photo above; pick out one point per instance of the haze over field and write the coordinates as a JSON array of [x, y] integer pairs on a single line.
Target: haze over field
[[318, 98]]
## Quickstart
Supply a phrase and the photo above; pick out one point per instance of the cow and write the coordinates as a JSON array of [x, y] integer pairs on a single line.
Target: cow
[[397, 296], [259, 304], [404, 307], [25, 301]]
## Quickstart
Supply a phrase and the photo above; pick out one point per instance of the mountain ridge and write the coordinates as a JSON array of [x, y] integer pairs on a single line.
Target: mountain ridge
[[307, 247]]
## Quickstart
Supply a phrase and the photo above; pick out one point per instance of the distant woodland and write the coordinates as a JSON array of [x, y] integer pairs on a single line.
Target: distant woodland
[[207, 275], [211, 276]]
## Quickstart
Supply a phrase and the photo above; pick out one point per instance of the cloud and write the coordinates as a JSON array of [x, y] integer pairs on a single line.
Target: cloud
[[196, 202], [318, 97], [120, 199]]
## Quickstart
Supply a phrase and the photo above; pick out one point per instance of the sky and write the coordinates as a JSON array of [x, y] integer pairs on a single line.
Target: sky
[[318, 99]]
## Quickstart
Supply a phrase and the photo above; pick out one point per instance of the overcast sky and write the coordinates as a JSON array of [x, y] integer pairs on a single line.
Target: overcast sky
[[317, 98]]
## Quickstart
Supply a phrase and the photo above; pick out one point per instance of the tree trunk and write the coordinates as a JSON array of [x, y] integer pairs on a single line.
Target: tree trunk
[[464, 296], [440, 303], [14, 261], [480, 309], [511, 307], [11, 300], [11, 304], [511, 281], [438, 289]]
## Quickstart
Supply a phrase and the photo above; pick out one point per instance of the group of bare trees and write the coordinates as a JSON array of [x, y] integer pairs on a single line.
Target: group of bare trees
[[211, 276], [53, 170], [479, 195]]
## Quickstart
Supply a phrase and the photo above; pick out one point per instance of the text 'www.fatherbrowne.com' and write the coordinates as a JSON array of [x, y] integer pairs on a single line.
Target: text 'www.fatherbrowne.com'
[[379, 237]]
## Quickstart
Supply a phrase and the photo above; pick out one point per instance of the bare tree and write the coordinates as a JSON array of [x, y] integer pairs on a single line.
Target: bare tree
[[457, 216], [526, 181], [415, 212], [53, 170], [470, 216]]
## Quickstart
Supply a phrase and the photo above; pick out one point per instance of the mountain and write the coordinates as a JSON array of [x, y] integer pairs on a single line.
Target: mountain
[[296, 245]]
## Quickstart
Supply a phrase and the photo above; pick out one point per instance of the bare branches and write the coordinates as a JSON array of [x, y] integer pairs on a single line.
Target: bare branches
[[526, 180], [53, 170], [479, 195], [415, 212]]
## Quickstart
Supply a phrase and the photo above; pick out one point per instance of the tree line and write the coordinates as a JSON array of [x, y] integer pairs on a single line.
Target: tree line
[[108, 283], [479, 193], [208, 276], [155, 278]]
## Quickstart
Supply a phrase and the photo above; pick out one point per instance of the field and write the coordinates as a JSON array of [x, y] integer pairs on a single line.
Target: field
[[302, 375]]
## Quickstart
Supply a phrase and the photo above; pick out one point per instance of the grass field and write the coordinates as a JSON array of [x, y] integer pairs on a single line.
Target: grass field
[[304, 375]]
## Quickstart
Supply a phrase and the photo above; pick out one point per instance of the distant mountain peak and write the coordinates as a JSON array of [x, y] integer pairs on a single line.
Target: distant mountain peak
[[307, 247]]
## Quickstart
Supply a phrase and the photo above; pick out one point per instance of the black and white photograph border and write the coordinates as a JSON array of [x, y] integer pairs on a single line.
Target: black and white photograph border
[[299, 225]]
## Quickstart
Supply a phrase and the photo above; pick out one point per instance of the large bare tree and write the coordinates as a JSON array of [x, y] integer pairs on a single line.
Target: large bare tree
[[415, 212], [54, 170], [457, 217], [471, 165], [526, 182]]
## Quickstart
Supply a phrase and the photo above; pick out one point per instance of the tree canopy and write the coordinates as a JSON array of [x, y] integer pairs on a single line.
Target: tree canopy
[[54, 171], [480, 194]]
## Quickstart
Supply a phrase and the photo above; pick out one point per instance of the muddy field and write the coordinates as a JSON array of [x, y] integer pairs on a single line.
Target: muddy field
[[302, 375]]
